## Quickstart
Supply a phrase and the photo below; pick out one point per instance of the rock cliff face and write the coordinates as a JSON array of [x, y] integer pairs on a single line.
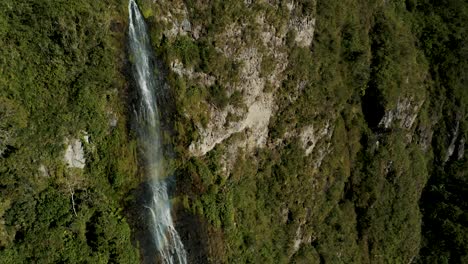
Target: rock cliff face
[[262, 62], [403, 115], [255, 118], [256, 86], [297, 116], [311, 138], [74, 155]]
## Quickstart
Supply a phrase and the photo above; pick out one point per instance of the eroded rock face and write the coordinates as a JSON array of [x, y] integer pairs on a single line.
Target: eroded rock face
[[316, 141], [74, 154], [197, 77], [113, 119], [44, 172], [300, 238], [258, 103], [174, 14], [310, 136], [453, 141], [256, 119], [403, 115], [461, 149], [304, 28], [425, 133]]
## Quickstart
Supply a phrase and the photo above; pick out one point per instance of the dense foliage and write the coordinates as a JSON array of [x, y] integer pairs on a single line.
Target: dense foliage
[[443, 33], [362, 204], [60, 79]]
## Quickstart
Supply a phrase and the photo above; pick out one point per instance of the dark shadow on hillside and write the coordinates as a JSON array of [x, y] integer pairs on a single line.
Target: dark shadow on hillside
[[373, 101], [372, 107], [193, 232], [138, 218]]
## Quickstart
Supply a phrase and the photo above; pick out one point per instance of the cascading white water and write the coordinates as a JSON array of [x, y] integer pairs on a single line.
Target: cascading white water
[[166, 238]]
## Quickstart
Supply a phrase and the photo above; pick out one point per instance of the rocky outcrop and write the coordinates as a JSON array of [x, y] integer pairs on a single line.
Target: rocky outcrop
[[453, 141], [173, 14], [255, 118], [257, 85], [260, 103], [196, 77], [425, 133], [304, 28], [403, 115], [461, 149], [113, 119], [44, 172], [74, 155], [317, 139], [300, 238]]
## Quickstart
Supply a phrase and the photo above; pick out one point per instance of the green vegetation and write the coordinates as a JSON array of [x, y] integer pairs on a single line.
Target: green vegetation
[[443, 33], [60, 75], [367, 193], [362, 204]]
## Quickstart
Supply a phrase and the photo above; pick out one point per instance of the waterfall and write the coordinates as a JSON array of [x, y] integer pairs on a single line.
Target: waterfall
[[147, 119]]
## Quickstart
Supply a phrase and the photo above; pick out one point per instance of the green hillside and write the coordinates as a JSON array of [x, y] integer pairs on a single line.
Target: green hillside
[[303, 131]]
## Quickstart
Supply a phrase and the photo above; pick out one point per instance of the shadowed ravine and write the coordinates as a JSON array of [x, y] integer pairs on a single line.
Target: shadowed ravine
[[166, 240]]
